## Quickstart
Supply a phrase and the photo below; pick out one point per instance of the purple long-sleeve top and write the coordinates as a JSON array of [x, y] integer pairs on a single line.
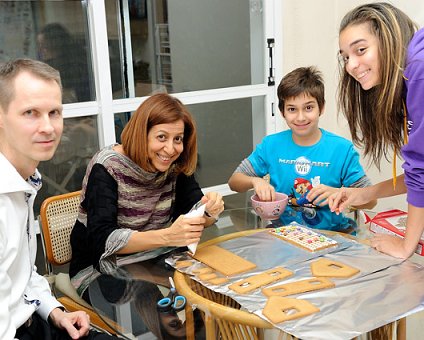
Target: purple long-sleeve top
[[413, 152]]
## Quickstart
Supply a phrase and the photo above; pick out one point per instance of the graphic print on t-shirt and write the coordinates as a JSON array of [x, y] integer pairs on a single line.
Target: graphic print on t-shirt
[[299, 202]]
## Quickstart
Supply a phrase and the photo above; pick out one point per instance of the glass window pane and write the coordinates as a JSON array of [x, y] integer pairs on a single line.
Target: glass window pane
[[227, 132], [54, 32], [221, 45], [121, 119], [66, 170]]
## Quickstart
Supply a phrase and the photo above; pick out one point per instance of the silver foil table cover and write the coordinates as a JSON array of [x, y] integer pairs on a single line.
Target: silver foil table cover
[[385, 290]]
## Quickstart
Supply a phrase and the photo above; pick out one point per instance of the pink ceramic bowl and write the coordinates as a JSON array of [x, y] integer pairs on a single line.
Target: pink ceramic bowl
[[270, 210]]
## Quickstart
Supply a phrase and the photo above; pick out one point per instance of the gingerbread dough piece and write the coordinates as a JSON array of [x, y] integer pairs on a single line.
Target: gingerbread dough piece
[[329, 268], [218, 280], [183, 264], [259, 280], [204, 270], [297, 287], [279, 309], [207, 276], [223, 261]]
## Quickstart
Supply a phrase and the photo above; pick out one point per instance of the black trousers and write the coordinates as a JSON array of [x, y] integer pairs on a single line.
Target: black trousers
[[42, 330]]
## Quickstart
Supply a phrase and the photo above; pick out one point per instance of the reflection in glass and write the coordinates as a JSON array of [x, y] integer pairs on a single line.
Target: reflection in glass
[[225, 133], [121, 119], [54, 32], [58, 48], [136, 288], [220, 46], [65, 171]]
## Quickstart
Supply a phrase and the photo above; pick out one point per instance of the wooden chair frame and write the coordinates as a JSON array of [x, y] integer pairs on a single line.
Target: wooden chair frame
[[58, 215]]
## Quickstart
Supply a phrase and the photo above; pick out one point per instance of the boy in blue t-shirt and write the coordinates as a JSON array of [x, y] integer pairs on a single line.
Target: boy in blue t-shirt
[[303, 157]]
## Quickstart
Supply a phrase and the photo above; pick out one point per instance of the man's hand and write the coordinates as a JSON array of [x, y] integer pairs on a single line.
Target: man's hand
[[77, 324]]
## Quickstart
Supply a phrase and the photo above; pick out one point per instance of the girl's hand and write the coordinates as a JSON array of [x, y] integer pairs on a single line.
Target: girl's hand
[[390, 245], [319, 195], [345, 198]]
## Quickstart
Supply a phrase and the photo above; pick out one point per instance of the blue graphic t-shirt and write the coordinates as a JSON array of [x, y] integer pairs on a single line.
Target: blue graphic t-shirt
[[295, 169]]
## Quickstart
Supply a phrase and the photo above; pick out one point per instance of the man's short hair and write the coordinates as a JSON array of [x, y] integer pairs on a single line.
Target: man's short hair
[[307, 80], [10, 70]]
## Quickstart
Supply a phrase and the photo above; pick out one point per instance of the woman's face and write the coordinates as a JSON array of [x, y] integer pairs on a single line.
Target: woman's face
[[165, 144], [359, 51]]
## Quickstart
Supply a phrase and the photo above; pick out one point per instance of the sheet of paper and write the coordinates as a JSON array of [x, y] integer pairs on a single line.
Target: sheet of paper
[[195, 213]]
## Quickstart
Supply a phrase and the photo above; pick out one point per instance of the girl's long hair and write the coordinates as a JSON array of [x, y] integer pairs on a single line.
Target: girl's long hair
[[376, 116]]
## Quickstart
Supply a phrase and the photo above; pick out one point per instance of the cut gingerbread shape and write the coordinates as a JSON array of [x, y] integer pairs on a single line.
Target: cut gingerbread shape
[[279, 309], [259, 280], [207, 276], [223, 261], [297, 287], [218, 280], [204, 270], [329, 268], [183, 264]]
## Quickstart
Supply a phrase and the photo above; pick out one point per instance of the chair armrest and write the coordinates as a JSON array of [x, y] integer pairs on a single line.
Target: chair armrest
[[63, 284]]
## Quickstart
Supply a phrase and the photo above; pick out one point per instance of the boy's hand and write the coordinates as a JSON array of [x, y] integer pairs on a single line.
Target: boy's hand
[[263, 189]]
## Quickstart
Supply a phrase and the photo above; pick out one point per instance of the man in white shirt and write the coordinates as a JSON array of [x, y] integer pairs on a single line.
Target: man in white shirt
[[31, 125]]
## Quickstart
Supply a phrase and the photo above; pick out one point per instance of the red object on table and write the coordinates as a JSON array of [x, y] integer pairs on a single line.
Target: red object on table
[[393, 222]]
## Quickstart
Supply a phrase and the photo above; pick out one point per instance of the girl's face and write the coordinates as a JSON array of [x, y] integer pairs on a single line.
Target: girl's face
[[359, 51], [165, 144]]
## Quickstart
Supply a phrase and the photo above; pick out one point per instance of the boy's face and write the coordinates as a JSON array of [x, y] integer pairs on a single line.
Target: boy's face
[[31, 128], [302, 116]]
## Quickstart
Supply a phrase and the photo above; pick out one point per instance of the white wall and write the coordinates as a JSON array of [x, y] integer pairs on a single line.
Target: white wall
[[310, 37]]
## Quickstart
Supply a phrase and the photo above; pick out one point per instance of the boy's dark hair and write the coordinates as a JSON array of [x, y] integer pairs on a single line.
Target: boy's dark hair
[[307, 80]]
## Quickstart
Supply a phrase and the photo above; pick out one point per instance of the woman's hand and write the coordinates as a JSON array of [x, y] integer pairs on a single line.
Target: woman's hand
[[263, 189], [214, 204], [184, 231], [319, 195]]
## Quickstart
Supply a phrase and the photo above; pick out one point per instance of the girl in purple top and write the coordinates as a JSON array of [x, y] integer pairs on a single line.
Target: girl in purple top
[[381, 93]]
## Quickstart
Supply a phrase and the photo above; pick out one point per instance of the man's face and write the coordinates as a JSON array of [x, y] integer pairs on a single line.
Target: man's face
[[31, 128]]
